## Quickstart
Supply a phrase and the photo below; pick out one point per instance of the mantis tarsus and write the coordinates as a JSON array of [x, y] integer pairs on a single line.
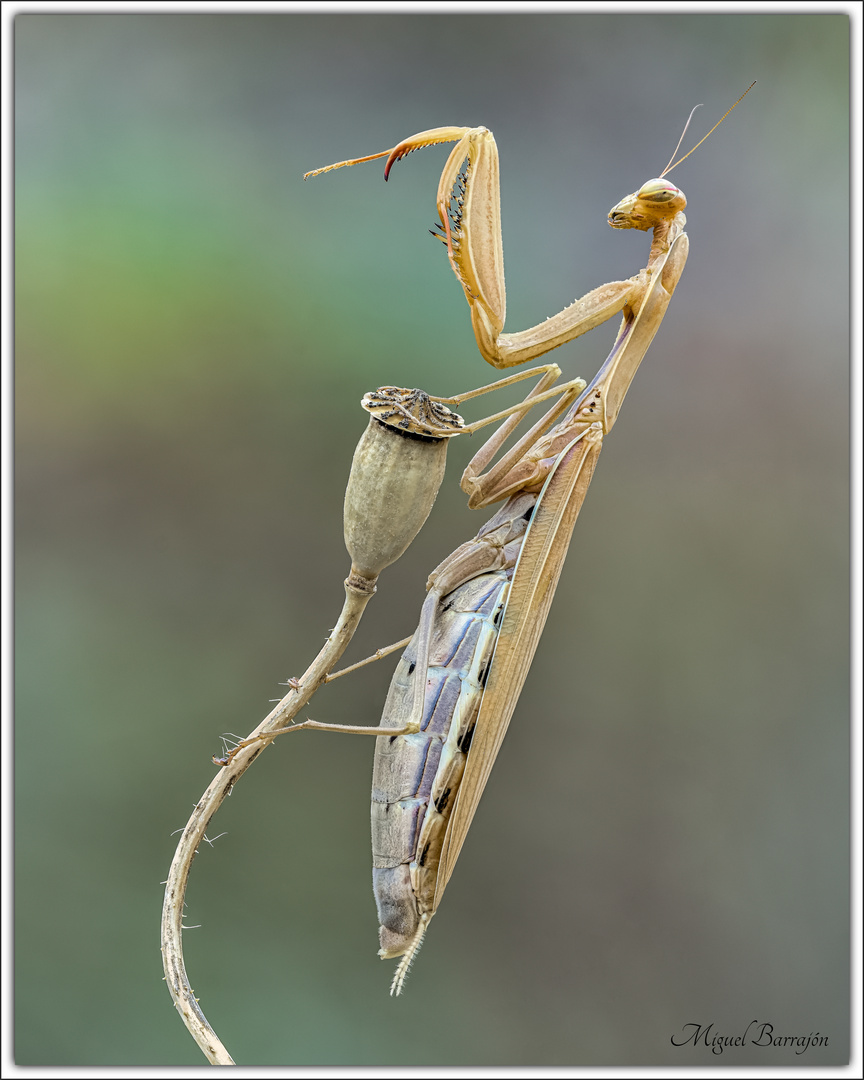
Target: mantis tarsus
[[487, 602]]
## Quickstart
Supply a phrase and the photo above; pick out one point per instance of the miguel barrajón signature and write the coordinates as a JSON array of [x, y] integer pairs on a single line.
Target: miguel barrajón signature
[[756, 1034]]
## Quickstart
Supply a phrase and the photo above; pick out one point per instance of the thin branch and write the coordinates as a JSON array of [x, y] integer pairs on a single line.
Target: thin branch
[[356, 600]]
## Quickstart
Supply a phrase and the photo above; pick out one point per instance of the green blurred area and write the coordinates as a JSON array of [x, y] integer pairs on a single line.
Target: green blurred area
[[665, 837]]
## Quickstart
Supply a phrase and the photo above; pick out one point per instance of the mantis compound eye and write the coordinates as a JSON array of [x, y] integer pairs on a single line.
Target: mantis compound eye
[[662, 193]]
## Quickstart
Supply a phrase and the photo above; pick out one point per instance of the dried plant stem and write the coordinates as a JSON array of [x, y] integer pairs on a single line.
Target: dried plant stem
[[357, 595]]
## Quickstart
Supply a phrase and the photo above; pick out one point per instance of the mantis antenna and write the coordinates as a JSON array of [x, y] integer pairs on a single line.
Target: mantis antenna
[[670, 167], [683, 133]]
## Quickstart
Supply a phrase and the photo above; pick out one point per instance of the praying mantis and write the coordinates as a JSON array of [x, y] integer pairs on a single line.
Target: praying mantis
[[457, 684]]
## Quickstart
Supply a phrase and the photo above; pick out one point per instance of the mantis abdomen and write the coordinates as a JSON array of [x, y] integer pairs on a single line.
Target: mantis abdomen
[[416, 777]]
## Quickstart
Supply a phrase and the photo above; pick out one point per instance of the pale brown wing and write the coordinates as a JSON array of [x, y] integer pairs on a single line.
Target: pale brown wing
[[531, 593]]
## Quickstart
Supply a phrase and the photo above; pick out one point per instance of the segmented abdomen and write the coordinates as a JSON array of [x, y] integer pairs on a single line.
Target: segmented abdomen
[[416, 777]]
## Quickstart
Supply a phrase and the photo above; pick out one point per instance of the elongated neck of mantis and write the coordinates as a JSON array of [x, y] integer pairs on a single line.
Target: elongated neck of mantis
[[665, 233]]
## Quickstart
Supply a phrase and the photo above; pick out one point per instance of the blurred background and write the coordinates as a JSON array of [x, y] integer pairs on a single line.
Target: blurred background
[[664, 839]]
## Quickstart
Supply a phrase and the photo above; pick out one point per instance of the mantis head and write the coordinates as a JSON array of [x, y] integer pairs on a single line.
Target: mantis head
[[656, 202]]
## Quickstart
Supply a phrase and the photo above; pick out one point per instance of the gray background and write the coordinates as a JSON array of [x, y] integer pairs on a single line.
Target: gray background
[[664, 838]]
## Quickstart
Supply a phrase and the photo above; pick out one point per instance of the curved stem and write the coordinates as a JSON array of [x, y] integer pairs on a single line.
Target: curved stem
[[356, 598]]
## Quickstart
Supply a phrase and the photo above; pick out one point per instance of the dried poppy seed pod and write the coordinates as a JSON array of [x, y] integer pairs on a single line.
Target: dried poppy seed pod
[[397, 469]]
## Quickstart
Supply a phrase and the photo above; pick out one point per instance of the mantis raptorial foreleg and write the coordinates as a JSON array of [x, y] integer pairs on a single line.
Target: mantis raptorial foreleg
[[470, 226], [469, 212]]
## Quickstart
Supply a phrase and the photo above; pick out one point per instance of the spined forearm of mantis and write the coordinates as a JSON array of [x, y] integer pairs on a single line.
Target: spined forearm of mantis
[[469, 224]]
